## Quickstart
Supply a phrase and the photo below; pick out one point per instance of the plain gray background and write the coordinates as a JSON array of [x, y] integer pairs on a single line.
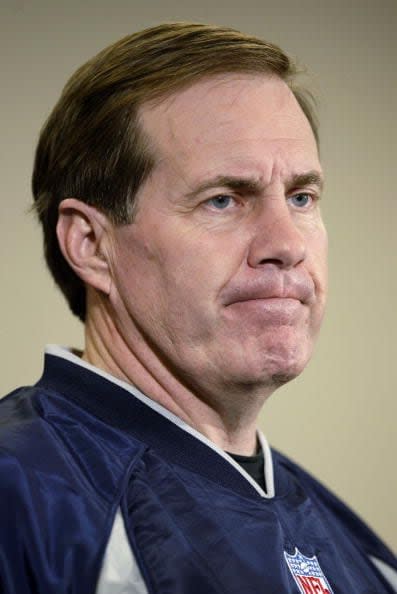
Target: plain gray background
[[339, 418]]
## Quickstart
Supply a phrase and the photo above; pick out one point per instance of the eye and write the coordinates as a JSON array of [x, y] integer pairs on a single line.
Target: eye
[[221, 202], [301, 200]]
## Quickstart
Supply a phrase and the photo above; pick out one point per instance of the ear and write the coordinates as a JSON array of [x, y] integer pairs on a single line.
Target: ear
[[83, 236]]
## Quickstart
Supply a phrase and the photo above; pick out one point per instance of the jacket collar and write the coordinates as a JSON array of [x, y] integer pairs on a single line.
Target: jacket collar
[[124, 407]]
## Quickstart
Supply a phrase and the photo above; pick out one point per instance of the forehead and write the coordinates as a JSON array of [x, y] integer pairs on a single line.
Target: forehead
[[232, 121]]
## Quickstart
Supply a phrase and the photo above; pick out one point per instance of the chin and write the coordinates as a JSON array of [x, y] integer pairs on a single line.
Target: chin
[[278, 375], [277, 366], [281, 378]]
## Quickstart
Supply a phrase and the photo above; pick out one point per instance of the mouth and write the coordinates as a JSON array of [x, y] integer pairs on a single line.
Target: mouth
[[274, 291], [286, 307], [273, 300], [274, 304]]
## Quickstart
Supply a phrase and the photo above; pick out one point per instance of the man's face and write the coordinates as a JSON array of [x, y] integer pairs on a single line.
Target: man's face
[[223, 271]]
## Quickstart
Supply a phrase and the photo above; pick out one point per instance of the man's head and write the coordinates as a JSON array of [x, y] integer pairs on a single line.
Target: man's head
[[93, 146], [186, 176]]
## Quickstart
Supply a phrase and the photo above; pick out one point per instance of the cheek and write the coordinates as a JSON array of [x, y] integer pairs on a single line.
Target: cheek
[[162, 274], [322, 251], [320, 277], [317, 253], [196, 253], [136, 272]]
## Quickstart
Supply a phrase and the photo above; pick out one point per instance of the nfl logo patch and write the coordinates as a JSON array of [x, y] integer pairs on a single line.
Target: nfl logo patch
[[307, 574]]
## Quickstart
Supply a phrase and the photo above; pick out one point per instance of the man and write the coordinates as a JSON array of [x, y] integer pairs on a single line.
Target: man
[[178, 183]]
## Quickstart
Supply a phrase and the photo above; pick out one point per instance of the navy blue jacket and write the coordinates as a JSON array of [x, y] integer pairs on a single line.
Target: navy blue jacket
[[104, 491]]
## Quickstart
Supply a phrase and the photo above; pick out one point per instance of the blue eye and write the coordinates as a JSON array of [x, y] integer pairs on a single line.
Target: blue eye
[[220, 202], [300, 200]]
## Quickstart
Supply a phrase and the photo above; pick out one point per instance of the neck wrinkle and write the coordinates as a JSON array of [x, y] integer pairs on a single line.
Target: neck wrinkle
[[106, 349]]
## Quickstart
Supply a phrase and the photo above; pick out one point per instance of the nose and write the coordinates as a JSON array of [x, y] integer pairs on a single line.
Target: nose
[[276, 239]]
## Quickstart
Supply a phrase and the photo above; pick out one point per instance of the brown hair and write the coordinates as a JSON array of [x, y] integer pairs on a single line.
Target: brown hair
[[92, 146]]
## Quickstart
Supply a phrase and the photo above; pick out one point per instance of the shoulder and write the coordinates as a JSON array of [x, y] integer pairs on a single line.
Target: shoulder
[[61, 473], [46, 432], [336, 512]]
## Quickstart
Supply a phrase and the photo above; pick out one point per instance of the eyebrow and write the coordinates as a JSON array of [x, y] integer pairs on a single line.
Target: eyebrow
[[311, 178], [254, 186]]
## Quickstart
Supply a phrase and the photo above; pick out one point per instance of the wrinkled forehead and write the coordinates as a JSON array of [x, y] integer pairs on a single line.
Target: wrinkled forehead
[[231, 117]]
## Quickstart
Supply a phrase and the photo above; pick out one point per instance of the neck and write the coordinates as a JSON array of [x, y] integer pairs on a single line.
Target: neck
[[226, 415]]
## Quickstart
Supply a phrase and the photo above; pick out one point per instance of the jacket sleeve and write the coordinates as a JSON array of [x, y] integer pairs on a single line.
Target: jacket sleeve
[[47, 541], [23, 569]]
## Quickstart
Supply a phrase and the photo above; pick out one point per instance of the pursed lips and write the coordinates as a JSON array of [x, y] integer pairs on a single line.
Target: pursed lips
[[283, 288]]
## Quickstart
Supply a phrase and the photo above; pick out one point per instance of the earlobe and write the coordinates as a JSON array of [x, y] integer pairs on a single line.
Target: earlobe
[[82, 233]]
